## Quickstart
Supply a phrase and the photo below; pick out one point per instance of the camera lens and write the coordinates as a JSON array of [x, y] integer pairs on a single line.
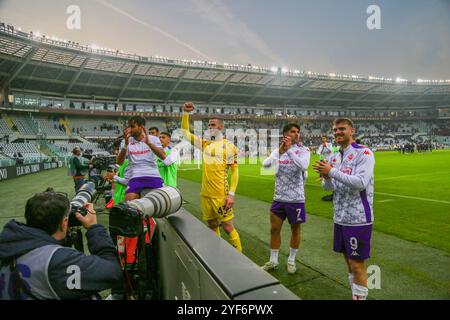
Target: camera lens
[[159, 203], [84, 195]]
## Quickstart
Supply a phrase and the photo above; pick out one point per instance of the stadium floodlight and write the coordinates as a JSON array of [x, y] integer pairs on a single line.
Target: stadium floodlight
[[93, 46], [274, 69], [400, 80], [332, 74]]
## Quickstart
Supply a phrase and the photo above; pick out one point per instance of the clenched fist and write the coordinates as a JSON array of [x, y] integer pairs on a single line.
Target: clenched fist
[[188, 107]]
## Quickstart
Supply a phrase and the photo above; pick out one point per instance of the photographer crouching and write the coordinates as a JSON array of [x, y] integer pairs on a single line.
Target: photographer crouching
[[34, 264]]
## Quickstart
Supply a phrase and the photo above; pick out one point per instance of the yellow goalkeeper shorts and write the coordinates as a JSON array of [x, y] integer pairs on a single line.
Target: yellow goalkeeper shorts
[[214, 208]]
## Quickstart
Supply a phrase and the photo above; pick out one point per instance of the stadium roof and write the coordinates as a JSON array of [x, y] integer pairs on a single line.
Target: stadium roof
[[44, 66]]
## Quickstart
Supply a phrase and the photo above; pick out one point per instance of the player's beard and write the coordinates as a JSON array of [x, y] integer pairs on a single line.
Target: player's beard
[[215, 135], [342, 139]]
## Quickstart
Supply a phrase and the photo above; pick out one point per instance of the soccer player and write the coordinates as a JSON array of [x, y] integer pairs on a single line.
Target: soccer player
[[153, 131], [219, 156], [141, 149], [168, 167], [292, 160], [119, 179], [350, 174], [325, 150]]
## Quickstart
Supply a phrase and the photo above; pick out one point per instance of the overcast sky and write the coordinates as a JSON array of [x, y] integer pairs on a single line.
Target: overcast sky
[[327, 36]]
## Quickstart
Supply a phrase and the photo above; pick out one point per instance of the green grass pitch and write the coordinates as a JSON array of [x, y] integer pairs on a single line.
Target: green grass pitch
[[411, 242], [412, 194]]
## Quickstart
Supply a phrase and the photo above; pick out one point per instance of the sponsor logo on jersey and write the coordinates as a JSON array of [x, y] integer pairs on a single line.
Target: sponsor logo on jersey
[[347, 170], [285, 161], [139, 152]]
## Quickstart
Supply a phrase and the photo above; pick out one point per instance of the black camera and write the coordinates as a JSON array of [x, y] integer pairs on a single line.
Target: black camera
[[126, 219], [99, 162], [84, 195], [103, 162]]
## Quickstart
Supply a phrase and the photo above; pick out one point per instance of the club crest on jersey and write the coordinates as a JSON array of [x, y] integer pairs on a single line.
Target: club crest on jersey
[[367, 153], [351, 156]]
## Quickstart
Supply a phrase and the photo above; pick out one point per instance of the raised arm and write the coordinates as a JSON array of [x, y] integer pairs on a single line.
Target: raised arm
[[301, 159], [193, 139], [171, 158], [274, 156], [154, 144]]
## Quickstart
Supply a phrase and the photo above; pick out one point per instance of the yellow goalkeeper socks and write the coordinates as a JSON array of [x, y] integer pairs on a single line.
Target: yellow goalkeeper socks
[[235, 240]]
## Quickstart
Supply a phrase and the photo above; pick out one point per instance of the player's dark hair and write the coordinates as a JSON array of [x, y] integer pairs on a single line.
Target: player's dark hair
[[46, 210], [153, 128], [344, 120], [165, 134], [289, 126], [140, 121]]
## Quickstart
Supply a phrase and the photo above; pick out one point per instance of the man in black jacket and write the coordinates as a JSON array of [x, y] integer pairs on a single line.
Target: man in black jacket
[[34, 264]]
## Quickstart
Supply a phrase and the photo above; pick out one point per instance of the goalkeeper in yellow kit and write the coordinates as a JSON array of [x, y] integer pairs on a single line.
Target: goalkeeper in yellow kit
[[217, 196]]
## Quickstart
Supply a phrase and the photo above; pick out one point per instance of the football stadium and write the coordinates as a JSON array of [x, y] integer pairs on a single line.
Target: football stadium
[[56, 95]]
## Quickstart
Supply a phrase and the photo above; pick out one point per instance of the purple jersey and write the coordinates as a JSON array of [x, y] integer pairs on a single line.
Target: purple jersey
[[352, 181]]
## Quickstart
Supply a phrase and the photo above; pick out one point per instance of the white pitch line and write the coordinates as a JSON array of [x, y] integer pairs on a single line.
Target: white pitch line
[[414, 198], [412, 175], [387, 200], [380, 193]]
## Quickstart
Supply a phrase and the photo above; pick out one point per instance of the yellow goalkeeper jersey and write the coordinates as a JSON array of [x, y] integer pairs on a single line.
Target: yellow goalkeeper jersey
[[217, 157]]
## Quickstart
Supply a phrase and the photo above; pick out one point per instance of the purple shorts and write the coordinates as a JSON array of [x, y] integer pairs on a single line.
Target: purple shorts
[[136, 185], [295, 212], [354, 241]]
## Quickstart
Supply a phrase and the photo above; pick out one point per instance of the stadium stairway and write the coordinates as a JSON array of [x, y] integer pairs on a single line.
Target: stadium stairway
[[33, 123], [10, 123], [48, 151], [66, 124]]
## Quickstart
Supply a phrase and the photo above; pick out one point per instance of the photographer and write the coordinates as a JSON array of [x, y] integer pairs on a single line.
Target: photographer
[[77, 169], [35, 265]]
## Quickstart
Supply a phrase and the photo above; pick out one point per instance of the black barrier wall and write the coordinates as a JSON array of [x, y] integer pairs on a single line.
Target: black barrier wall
[[7, 173], [196, 264]]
